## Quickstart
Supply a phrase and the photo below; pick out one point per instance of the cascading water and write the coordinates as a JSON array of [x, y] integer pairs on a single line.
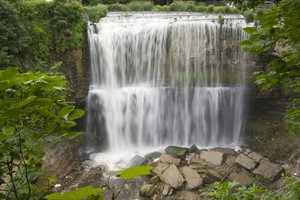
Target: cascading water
[[165, 79]]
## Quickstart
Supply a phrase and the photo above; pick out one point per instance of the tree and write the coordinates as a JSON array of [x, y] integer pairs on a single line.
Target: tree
[[13, 37], [278, 33], [33, 112]]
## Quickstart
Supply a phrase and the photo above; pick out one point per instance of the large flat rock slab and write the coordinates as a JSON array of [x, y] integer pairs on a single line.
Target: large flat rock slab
[[213, 157], [246, 162], [242, 178], [177, 152], [268, 170], [193, 179], [172, 176]]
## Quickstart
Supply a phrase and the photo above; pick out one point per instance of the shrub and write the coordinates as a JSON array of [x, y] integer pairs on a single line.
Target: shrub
[[140, 6], [118, 7], [160, 8], [201, 9], [219, 10], [211, 8], [249, 16], [96, 12]]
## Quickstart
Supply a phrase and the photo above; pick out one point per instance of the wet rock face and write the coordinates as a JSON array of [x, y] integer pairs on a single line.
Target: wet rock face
[[182, 174]]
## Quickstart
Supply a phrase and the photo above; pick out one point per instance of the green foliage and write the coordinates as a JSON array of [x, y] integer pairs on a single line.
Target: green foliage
[[135, 171], [160, 8], [80, 194], [211, 8], [96, 12], [115, 1], [278, 31], [244, 5], [118, 7], [13, 38], [233, 191], [183, 6], [249, 16], [140, 6], [33, 111]]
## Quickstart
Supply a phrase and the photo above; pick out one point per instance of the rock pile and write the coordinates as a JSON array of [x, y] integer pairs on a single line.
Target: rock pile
[[181, 173]]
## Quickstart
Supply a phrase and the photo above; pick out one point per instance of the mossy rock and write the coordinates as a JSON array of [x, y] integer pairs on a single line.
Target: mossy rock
[[177, 152]]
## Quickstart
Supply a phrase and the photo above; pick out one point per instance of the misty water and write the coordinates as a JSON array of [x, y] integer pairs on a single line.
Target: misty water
[[161, 79]]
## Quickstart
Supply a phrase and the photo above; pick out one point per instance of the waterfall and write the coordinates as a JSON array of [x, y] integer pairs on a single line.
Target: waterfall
[[165, 79]]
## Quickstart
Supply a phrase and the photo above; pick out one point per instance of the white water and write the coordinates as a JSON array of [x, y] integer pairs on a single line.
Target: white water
[[165, 79]]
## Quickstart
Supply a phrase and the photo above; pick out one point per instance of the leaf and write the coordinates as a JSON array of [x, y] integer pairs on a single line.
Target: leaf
[[78, 194], [135, 171], [64, 112], [25, 102], [9, 73], [76, 114], [249, 30], [72, 135]]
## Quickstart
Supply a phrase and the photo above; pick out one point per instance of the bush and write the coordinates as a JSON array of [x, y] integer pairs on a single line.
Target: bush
[[183, 6], [249, 16], [118, 7], [96, 12], [115, 1], [160, 8], [211, 8], [140, 6], [219, 10], [201, 9]]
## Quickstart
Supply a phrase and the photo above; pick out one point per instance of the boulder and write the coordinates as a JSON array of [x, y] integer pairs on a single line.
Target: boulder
[[160, 168], [154, 180], [243, 178], [167, 190], [177, 152], [186, 195], [246, 162], [227, 151], [148, 190], [213, 157], [169, 159], [196, 160], [230, 160], [138, 161], [255, 156], [214, 175], [172, 176], [193, 149], [193, 179], [153, 156], [268, 170]]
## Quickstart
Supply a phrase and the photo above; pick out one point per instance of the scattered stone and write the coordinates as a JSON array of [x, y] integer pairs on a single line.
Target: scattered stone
[[167, 190], [247, 151], [246, 162], [169, 159], [227, 151], [148, 190], [230, 161], [177, 152], [154, 180], [160, 168], [192, 178], [197, 160], [255, 156], [172, 177], [214, 174], [213, 157], [241, 178], [268, 170], [138, 161], [193, 149], [186, 195], [153, 155]]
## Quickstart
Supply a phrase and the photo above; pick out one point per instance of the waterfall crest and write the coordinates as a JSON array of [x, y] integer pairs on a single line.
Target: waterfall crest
[[165, 79]]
